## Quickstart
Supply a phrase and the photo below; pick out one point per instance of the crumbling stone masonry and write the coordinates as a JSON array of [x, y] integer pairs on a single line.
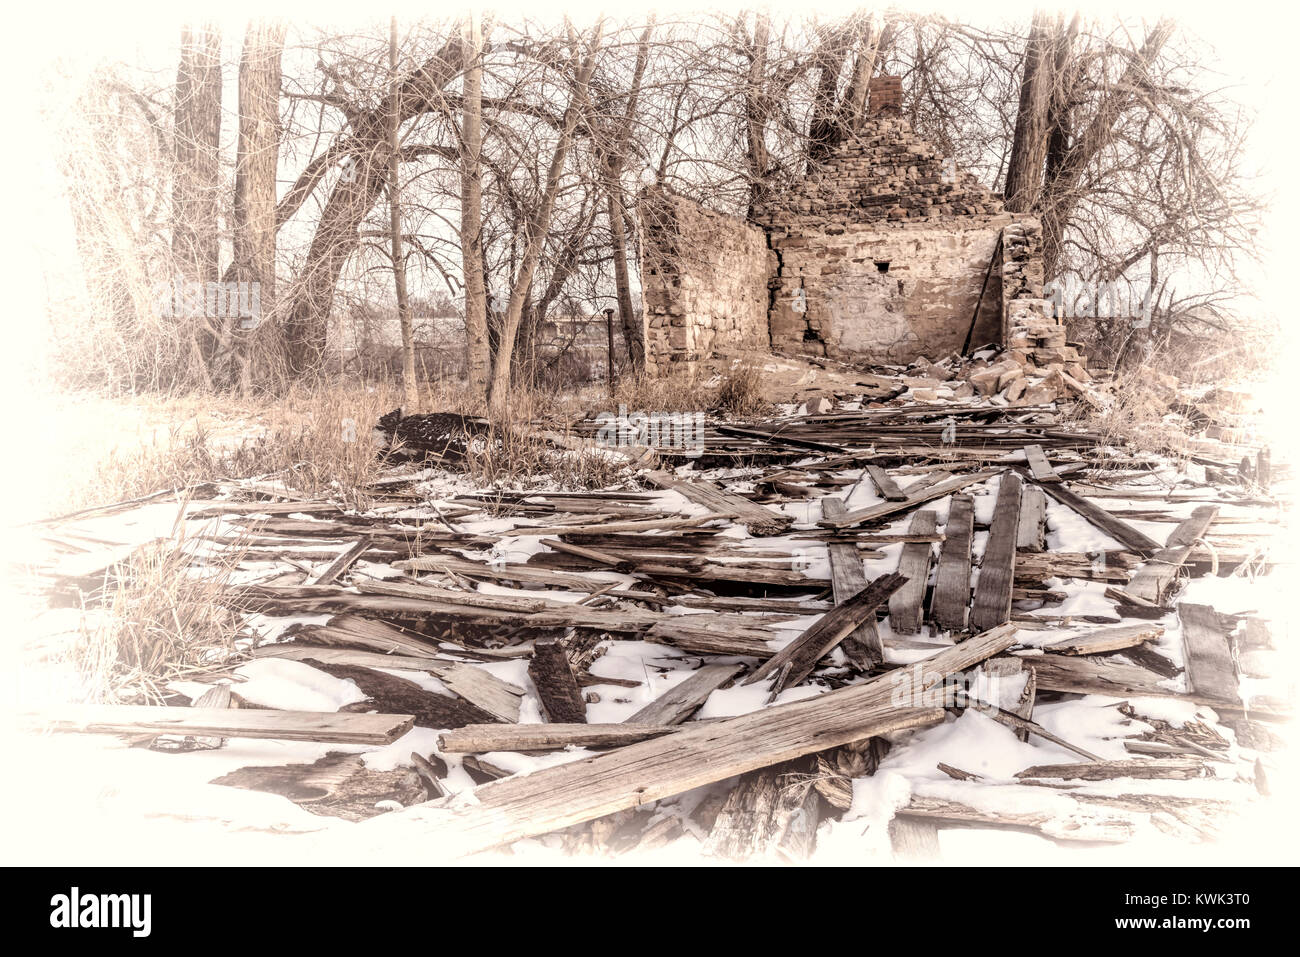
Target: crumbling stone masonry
[[704, 281], [881, 255]]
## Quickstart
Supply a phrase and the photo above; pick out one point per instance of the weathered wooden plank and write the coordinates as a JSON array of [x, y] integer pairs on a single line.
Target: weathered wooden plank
[[906, 604], [341, 564], [887, 487], [1068, 821], [1103, 640], [1210, 670], [481, 738], [557, 688], [952, 580], [992, 604], [320, 726], [863, 646], [1031, 535], [552, 798], [678, 703], [389, 693], [1153, 581], [875, 513], [759, 519], [802, 654], [1116, 528], [1171, 768], [1039, 467]]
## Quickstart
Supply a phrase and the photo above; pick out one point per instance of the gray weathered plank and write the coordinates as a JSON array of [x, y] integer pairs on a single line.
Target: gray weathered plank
[[1153, 581], [863, 646], [481, 738], [906, 604], [887, 487], [1116, 528], [952, 581], [678, 703], [1039, 467], [992, 604], [562, 700], [802, 654], [1031, 535], [1210, 670]]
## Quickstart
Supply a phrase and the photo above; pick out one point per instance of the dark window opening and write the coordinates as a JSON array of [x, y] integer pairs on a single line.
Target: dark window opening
[[810, 336], [882, 265]]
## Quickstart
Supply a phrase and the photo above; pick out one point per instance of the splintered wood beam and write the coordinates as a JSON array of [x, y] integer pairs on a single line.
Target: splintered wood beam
[[802, 654], [481, 738], [906, 604], [1210, 670], [952, 581], [874, 513], [863, 646], [557, 688], [769, 811], [1116, 528], [757, 518], [1039, 467], [1031, 537], [681, 700], [992, 604], [325, 727], [552, 798], [1154, 580], [887, 487], [1104, 640]]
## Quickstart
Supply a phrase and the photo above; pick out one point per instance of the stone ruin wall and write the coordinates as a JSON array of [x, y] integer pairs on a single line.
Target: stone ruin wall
[[703, 281], [878, 256]]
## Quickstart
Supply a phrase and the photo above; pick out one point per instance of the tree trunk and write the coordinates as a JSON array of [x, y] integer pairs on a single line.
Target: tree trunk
[[409, 391], [354, 195], [255, 185], [196, 191], [756, 112], [1029, 145], [498, 396], [471, 216], [633, 332]]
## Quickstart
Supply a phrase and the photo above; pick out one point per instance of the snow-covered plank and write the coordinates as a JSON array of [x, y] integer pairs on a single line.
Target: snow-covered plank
[[320, 726]]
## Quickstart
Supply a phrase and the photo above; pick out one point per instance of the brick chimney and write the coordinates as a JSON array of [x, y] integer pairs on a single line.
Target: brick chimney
[[885, 96]]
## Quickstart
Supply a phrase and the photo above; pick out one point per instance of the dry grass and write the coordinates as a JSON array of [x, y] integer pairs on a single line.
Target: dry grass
[[740, 393], [165, 616]]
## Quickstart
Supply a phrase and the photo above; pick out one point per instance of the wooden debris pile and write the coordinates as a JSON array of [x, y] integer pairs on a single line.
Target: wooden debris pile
[[849, 566]]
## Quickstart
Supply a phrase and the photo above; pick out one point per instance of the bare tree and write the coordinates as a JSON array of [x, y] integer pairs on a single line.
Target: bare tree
[[409, 389], [471, 211]]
